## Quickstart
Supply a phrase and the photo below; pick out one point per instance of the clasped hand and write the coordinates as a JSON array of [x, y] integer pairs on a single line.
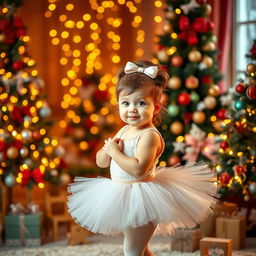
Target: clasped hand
[[111, 145]]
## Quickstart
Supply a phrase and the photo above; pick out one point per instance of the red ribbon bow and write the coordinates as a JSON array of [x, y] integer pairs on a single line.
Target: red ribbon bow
[[28, 175]]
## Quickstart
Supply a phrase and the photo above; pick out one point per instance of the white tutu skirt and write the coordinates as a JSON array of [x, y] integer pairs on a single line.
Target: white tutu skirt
[[178, 197]]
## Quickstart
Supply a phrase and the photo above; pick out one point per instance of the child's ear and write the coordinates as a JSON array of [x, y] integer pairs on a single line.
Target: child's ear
[[157, 108]]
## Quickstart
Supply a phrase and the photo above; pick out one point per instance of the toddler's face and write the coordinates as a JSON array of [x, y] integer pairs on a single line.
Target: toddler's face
[[137, 109]]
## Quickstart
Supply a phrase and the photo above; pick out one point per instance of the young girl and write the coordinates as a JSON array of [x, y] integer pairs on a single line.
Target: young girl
[[138, 199]]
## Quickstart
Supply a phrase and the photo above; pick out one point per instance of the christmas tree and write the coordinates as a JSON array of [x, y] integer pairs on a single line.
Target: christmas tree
[[90, 117], [27, 153], [187, 51], [237, 166]]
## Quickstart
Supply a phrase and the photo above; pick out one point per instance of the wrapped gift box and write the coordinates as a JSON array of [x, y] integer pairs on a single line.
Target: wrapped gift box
[[23, 230], [185, 240], [233, 227], [226, 209]]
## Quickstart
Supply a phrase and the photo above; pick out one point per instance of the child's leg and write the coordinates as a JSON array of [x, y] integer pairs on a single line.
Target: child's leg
[[136, 240]]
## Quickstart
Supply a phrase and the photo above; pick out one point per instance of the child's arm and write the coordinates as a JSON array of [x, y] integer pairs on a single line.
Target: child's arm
[[148, 147]]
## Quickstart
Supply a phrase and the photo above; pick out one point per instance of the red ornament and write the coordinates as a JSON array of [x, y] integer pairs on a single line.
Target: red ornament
[[17, 65], [240, 169], [240, 88], [88, 123], [200, 25], [210, 25], [184, 98], [17, 22], [206, 80], [177, 61], [221, 114], [101, 95], [201, 1], [225, 178], [224, 145], [17, 144], [184, 23], [173, 160], [187, 117], [251, 92], [161, 47], [36, 135]]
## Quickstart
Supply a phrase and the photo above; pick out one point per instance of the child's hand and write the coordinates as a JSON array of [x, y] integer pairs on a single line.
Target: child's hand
[[111, 145]]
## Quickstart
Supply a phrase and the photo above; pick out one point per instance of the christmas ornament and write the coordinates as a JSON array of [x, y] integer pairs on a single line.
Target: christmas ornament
[[209, 46], [240, 88], [184, 99], [200, 106], [12, 152], [208, 9], [79, 133], [45, 112], [186, 8], [9, 180], [59, 150], [173, 110], [210, 102], [198, 117], [48, 150], [26, 134], [24, 151], [251, 68], [28, 162], [163, 56], [176, 61], [179, 147], [36, 135], [191, 82], [252, 189], [174, 83], [17, 65], [214, 90], [207, 61], [194, 97], [221, 114], [224, 145], [64, 179], [54, 172], [171, 15], [239, 105], [225, 178], [173, 160], [167, 27], [251, 92], [176, 127], [194, 56]]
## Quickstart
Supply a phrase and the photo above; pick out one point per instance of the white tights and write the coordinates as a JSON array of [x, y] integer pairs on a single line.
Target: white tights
[[136, 240]]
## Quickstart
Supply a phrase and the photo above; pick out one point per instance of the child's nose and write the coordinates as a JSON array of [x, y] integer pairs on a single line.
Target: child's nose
[[133, 108]]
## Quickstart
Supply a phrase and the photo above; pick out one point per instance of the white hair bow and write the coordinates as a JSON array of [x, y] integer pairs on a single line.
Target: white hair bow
[[149, 71]]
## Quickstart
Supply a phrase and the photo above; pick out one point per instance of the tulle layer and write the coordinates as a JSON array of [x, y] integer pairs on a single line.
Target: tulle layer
[[177, 197]]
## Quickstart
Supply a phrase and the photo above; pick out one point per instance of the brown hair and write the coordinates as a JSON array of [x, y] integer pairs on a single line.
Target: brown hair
[[131, 82]]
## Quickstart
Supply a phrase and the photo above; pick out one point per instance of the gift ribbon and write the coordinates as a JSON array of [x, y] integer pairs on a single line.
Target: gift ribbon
[[23, 230], [206, 147]]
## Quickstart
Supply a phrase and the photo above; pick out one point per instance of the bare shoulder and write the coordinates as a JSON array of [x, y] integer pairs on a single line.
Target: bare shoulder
[[150, 138]]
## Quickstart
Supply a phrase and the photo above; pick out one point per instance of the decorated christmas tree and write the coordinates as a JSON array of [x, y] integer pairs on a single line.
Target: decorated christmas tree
[[28, 154], [236, 156], [90, 117], [187, 51]]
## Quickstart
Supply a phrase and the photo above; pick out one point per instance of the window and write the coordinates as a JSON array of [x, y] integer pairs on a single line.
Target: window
[[244, 34]]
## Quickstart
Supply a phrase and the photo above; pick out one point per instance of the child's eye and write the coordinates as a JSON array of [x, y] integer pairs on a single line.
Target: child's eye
[[125, 103], [141, 103]]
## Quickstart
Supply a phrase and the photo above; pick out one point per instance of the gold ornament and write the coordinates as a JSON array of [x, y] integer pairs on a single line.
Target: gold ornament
[[24, 151], [79, 133], [210, 102], [210, 46], [2, 37], [12, 152], [208, 61], [198, 117], [208, 9], [171, 15], [192, 82], [214, 90], [174, 82], [251, 68], [194, 56], [168, 27], [176, 127], [163, 56], [48, 150], [217, 125]]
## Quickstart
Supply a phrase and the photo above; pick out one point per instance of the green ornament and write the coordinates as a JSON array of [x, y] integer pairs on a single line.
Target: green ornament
[[173, 110], [194, 96]]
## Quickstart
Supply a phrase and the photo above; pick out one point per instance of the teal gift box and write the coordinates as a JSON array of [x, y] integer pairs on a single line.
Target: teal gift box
[[23, 230]]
